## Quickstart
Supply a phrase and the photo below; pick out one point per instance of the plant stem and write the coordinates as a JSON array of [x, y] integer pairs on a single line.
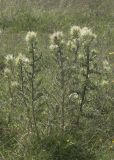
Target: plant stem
[[32, 90], [76, 51], [24, 100], [87, 77], [63, 89]]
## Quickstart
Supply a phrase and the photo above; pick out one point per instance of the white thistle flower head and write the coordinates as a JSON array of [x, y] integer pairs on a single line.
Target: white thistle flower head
[[83, 71], [105, 62], [94, 51], [106, 65], [71, 44], [87, 33], [53, 47], [81, 56], [73, 96], [75, 31], [14, 83], [56, 38], [9, 57], [104, 82], [111, 53], [31, 37], [7, 71], [21, 58]]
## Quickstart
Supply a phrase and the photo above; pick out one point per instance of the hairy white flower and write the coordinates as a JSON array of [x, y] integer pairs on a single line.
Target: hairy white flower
[[56, 38], [31, 36], [73, 96], [75, 31], [87, 33], [21, 58], [104, 82], [7, 71], [94, 51], [105, 62], [53, 47], [9, 57], [14, 83], [71, 44], [81, 56], [106, 65], [83, 71], [111, 53]]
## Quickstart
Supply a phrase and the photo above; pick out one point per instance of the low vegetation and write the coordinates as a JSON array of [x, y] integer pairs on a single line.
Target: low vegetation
[[56, 81]]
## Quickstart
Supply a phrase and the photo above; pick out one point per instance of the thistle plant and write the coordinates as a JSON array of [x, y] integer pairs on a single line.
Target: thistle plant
[[88, 72], [57, 47], [74, 41], [82, 75], [87, 38], [30, 81], [10, 76], [68, 111]]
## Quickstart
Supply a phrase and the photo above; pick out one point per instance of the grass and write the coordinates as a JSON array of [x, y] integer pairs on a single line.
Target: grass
[[45, 21]]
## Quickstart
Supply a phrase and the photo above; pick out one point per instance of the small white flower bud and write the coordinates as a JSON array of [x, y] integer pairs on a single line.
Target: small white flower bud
[[106, 65], [53, 47], [31, 37], [87, 34], [14, 83], [71, 44], [21, 58], [9, 58], [56, 38], [73, 96], [75, 31], [7, 71]]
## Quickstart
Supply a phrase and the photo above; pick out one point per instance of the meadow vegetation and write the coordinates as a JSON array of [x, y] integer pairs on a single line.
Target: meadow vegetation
[[56, 80]]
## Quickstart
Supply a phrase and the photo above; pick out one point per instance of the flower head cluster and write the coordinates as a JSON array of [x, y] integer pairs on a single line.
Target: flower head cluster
[[7, 71], [75, 31], [9, 58], [14, 83], [31, 37], [71, 44], [106, 65], [56, 40], [104, 83], [56, 37], [21, 58], [87, 33], [53, 47], [81, 56], [73, 96], [80, 36], [111, 53]]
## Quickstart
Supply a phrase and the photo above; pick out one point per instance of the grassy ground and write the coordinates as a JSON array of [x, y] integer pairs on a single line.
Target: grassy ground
[[15, 21], [46, 17]]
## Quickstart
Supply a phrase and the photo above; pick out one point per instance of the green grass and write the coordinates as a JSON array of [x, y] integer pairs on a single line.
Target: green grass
[[45, 21]]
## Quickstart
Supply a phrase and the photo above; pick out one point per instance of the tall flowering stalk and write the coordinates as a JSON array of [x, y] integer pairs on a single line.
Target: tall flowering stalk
[[34, 82], [79, 79], [83, 38], [83, 73], [29, 80], [74, 42], [57, 45], [12, 83], [31, 40], [87, 38], [22, 62]]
